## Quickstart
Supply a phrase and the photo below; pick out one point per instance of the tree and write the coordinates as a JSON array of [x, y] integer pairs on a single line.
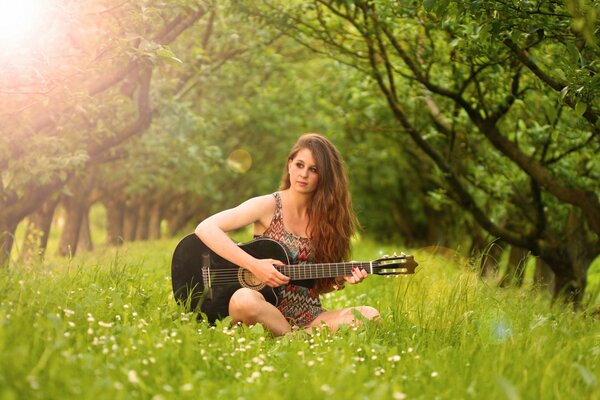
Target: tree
[[512, 139], [65, 106]]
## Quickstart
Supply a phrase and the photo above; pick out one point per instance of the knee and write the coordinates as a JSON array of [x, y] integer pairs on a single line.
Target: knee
[[368, 312], [244, 305]]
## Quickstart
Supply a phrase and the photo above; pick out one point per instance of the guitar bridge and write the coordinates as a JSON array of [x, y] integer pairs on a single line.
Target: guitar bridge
[[206, 276]]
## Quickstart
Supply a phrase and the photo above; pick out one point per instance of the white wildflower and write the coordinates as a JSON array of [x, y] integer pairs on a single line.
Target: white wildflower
[[132, 376], [326, 388]]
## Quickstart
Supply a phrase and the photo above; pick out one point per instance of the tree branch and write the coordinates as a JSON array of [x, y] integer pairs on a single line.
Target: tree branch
[[463, 196], [590, 115]]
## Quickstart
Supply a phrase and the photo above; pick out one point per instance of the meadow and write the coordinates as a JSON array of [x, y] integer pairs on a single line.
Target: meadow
[[103, 325]]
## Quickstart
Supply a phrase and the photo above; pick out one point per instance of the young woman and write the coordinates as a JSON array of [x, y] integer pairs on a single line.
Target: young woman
[[312, 215]]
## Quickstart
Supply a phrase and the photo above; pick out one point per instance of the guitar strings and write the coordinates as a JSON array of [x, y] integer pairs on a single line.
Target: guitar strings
[[231, 275]]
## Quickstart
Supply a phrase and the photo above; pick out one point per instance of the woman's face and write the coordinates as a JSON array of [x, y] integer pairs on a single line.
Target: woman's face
[[304, 175]]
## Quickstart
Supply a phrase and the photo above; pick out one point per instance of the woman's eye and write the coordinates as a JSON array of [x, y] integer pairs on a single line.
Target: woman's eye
[[299, 165], [313, 169]]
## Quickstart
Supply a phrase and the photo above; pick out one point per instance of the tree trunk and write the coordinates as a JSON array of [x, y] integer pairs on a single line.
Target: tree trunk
[[566, 287], [38, 229], [435, 230], [130, 222], [515, 268], [181, 220], [74, 210], [490, 259], [155, 220], [143, 222], [543, 277], [176, 221], [85, 236], [76, 206], [581, 250], [115, 214], [7, 238]]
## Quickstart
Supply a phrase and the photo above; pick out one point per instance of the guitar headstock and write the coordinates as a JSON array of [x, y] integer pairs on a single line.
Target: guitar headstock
[[403, 264]]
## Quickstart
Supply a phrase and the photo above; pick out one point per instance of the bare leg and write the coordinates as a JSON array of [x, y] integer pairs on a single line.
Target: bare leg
[[333, 319], [250, 307]]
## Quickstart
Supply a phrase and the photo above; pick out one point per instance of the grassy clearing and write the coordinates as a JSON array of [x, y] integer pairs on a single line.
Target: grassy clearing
[[105, 326]]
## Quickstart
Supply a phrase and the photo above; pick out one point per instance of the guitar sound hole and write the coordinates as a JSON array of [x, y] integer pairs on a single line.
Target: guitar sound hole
[[248, 280]]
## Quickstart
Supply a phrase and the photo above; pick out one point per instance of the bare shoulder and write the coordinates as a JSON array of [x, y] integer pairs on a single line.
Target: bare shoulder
[[267, 200], [256, 210], [261, 207]]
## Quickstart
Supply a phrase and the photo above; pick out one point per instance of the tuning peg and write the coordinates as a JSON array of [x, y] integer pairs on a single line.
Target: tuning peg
[[394, 254]]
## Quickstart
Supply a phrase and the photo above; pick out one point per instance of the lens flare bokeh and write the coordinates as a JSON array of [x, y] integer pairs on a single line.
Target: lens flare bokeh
[[239, 161]]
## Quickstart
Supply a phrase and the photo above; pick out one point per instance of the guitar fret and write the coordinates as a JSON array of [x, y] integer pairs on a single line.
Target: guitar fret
[[323, 270]]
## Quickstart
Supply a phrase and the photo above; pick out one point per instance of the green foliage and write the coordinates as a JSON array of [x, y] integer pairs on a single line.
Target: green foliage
[[250, 76], [497, 98], [106, 326]]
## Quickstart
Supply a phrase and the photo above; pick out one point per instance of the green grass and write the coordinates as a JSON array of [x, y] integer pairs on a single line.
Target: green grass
[[104, 326]]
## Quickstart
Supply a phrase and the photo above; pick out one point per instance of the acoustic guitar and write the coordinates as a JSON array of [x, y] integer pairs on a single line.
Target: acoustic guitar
[[201, 278]]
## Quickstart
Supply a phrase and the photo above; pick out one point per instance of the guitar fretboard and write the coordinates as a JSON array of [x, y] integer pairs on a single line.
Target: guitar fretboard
[[324, 270]]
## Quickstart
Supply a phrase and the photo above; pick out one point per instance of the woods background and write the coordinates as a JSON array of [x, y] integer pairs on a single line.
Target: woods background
[[464, 124]]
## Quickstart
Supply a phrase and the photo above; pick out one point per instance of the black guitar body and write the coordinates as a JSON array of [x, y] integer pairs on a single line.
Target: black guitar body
[[204, 280], [189, 287]]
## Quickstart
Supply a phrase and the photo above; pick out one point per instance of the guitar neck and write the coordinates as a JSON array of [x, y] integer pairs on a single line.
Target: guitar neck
[[325, 270]]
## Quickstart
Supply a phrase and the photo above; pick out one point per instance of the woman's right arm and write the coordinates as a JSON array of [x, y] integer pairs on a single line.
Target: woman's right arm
[[212, 231]]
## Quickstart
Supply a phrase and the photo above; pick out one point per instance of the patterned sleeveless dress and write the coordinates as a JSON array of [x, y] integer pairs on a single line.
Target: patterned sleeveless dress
[[300, 305]]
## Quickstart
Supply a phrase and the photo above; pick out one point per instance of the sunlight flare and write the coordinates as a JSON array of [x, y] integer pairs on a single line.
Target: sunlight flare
[[20, 22]]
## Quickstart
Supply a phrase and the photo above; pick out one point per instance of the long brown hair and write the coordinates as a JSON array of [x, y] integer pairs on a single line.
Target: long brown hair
[[332, 221]]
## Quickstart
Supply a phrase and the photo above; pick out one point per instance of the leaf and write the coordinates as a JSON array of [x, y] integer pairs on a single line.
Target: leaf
[[561, 74], [510, 391], [258, 329], [167, 55], [428, 5], [550, 111], [588, 376], [441, 7], [580, 108]]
